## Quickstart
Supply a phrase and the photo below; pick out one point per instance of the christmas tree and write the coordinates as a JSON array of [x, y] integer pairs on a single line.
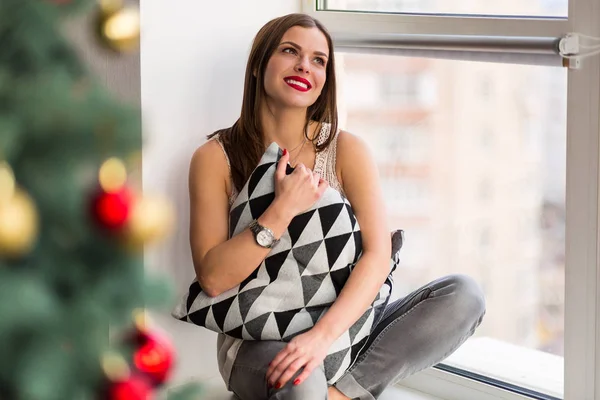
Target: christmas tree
[[72, 284]]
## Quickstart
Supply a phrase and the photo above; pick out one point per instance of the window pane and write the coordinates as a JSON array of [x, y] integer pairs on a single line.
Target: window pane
[[472, 158], [550, 8]]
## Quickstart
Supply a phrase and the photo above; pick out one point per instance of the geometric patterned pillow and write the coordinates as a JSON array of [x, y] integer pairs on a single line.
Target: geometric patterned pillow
[[299, 279]]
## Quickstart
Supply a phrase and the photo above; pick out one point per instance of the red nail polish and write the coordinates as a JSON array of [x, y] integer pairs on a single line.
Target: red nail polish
[[284, 152], [297, 381], [278, 386]]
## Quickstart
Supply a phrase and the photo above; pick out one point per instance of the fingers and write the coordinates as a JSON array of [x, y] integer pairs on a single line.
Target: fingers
[[303, 187], [276, 365], [316, 178], [323, 185], [291, 370], [300, 169], [280, 171], [289, 348], [276, 361], [306, 172], [285, 370], [289, 360], [308, 369]]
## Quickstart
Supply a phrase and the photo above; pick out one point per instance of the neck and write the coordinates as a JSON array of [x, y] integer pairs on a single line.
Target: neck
[[285, 126]]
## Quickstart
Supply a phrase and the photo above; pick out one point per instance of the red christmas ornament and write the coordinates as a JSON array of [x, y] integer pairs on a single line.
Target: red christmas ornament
[[111, 209], [154, 357], [136, 387]]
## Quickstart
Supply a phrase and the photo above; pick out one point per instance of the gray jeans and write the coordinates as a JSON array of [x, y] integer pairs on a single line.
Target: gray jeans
[[415, 333]]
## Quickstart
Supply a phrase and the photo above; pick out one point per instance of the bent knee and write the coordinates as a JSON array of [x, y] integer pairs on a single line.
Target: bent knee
[[468, 298]]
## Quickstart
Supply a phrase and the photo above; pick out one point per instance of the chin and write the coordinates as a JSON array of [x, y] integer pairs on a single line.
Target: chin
[[293, 100], [299, 102], [300, 105]]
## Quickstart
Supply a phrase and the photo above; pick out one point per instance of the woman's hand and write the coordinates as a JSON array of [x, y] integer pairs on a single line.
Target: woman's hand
[[306, 350], [298, 191]]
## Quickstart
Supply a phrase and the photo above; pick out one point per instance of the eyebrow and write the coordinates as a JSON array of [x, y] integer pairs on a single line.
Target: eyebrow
[[319, 53]]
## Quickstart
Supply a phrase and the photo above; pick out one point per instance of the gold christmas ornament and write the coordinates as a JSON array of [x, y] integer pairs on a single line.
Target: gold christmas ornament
[[112, 175], [151, 219], [7, 182], [141, 320], [119, 26], [115, 367], [18, 225]]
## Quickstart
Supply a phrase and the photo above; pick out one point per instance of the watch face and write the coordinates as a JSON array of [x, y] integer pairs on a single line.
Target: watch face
[[263, 238]]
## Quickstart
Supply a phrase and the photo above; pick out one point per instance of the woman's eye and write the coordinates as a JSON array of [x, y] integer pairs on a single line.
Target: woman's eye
[[289, 50], [320, 60]]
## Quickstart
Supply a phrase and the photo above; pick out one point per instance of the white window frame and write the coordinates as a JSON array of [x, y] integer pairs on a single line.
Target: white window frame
[[582, 291]]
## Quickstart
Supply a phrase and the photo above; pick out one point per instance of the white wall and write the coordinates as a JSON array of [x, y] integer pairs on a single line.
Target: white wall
[[193, 57]]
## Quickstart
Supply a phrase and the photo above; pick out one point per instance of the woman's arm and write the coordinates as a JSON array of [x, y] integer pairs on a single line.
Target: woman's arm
[[360, 180], [221, 264]]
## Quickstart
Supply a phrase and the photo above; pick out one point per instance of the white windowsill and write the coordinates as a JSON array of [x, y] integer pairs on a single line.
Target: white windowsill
[[539, 371], [404, 393], [533, 369]]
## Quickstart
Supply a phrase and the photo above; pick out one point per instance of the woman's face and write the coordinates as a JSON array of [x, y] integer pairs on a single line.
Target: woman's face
[[296, 72]]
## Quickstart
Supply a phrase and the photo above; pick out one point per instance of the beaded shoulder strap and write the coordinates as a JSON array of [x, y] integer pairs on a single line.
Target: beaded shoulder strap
[[326, 159]]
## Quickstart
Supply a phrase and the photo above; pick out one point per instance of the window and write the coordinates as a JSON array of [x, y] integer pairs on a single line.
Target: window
[[373, 88], [474, 157], [399, 147], [399, 89], [485, 190], [526, 7], [439, 186], [407, 89], [453, 199], [485, 238], [406, 197], [486, 87], [486, 138]]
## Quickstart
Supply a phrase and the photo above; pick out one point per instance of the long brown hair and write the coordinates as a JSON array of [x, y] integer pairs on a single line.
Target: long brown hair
[[243, 141]]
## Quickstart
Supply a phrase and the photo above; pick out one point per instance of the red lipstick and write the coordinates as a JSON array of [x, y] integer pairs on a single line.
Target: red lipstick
[[298, 83]]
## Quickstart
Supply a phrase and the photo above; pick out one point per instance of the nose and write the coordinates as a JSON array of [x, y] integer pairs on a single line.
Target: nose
[[303, 65]]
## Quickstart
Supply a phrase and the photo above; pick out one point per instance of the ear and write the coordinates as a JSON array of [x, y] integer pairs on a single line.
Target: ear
[[255, 72]]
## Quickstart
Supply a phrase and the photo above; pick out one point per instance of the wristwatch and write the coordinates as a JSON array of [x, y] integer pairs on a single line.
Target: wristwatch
[[263, 235]]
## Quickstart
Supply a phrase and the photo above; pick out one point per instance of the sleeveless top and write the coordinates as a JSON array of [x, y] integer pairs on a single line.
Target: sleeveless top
[[227, 346]]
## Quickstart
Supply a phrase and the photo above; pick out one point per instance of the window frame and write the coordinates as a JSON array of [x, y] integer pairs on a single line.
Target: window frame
[[582, 242], [337, 22]]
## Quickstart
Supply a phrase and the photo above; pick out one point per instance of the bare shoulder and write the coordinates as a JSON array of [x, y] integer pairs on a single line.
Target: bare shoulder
[[209, 153], [349, 143], [352, 153], [209, 165]]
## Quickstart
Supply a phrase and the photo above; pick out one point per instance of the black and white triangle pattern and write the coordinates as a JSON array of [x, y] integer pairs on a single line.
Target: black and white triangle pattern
[[299, 279]]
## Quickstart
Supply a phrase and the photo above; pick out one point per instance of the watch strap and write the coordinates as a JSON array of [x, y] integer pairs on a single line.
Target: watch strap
[[255, 227]]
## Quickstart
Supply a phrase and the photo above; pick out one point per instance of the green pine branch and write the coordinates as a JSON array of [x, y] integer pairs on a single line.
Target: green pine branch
[[57, 124]]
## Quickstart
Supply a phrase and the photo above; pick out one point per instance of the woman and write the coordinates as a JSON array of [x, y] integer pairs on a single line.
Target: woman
[[289, 98]]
